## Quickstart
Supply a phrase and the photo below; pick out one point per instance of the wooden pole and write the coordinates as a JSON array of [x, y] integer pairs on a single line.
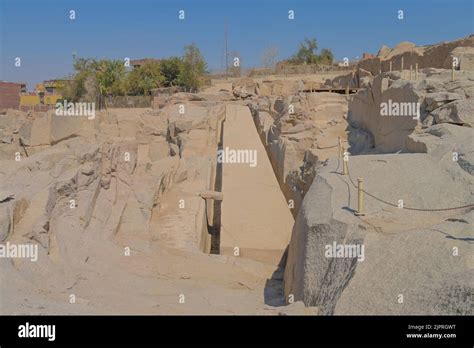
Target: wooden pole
[[360, 197], [345, 170], [390, 66], [416, 71]]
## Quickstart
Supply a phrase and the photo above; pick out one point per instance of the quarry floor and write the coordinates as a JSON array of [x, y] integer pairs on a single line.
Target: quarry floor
[[164, 280]]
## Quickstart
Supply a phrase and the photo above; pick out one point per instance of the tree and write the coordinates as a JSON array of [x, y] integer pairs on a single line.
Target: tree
[[269, 57], [306, 52], [74, 89], [109, 76], [193, 68], [94, 80], [141, 80], [171, 69], [78, 87], [326, 57]]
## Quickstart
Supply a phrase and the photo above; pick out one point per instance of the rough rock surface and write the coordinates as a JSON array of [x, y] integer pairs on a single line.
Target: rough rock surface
[[83, 190], [298, 132], [412, 263], [440, 101], [406, 253]]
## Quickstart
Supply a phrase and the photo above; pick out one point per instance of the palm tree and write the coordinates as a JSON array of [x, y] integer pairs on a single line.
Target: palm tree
[[109, 77]]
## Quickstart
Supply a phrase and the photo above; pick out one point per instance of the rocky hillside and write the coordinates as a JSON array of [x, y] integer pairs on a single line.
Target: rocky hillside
[[417, 253]]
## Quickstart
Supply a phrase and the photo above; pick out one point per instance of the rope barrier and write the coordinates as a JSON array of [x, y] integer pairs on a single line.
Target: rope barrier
[[404, 207]]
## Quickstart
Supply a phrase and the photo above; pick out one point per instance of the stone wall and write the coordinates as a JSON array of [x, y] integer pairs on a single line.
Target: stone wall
[[433, 56], [138, 101]]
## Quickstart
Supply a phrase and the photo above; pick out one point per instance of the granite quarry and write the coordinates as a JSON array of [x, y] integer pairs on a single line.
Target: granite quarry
[[148, 210]]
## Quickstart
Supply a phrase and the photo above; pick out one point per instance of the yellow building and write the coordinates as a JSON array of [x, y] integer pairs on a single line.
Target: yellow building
[[40, 88], [46, 93], [51, 99], [53, 86], [29, 100]]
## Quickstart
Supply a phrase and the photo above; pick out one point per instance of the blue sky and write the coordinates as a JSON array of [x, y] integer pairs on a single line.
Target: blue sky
[[42, 35]]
